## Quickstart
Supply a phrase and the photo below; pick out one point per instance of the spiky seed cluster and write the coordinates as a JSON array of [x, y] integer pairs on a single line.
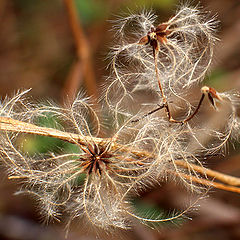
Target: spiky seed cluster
[[144, 148], [111, 171], [95, 159]]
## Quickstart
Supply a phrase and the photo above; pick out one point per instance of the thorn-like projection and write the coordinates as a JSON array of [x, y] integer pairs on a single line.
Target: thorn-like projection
[[212, 95]]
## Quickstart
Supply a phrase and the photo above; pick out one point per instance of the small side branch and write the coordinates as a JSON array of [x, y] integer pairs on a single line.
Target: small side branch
[[83, 53], [149, 113], [210, 92]]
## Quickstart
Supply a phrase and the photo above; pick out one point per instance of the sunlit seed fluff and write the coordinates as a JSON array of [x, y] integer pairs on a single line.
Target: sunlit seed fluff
[[184, 54], [112, 173]]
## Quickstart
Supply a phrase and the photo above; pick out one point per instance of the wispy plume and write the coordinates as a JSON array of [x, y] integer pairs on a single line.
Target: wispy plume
[[146, 145]]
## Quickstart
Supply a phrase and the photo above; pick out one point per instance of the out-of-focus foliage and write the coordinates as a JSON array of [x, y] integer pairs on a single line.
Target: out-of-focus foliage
[[91, 11]]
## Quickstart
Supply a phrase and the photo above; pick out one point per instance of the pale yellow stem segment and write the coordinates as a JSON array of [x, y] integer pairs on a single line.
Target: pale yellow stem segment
[[12, 125], [230, 180], [210, 183]]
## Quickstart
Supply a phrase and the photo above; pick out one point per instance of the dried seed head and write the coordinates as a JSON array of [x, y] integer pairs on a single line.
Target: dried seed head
[[97, 180], [180, 50], [95, 159]]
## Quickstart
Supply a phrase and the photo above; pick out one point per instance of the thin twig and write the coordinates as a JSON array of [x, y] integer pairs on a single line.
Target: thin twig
[[209, 183], [149, 113], [83, 53], [230, 180], [74, 79]]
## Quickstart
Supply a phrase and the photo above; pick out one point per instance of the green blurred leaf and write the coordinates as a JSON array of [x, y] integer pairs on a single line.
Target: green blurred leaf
[[42, 144], [216, 79], [155, 4], [90, 10], [151, 211]]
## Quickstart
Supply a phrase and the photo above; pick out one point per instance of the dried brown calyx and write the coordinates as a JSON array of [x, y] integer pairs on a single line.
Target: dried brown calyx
[[96, 158], [156, 36]]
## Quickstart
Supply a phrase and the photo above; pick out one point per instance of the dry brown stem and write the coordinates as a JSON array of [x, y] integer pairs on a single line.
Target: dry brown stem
[[84, 63], [11, 125]]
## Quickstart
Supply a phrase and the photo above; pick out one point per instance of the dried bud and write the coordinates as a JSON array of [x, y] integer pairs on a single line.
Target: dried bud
[[144, 40]]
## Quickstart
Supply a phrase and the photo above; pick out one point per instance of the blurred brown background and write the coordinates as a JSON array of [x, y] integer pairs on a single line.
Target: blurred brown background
[[40, 50]]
